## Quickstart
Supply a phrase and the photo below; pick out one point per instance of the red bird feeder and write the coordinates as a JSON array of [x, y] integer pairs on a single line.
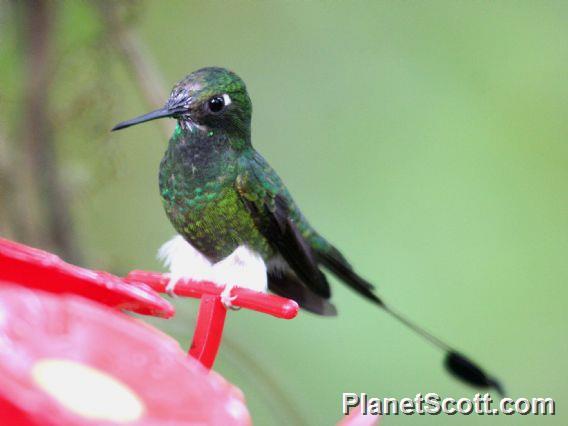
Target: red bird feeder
[[67, 360]]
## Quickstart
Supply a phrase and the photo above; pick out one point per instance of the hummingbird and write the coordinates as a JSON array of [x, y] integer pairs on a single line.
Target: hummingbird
[[236, 220]]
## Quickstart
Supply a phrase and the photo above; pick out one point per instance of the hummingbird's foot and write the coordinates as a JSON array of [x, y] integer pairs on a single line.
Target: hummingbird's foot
[[171, 286], [227, 299]]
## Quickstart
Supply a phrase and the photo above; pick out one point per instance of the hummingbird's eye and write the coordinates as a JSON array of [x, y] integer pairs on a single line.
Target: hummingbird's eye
[[216, 104]]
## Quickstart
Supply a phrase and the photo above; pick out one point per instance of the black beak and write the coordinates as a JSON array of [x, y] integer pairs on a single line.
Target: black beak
[[159, 113]]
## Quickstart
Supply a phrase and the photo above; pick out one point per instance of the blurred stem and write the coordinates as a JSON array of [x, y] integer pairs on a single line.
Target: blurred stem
[[50, 206], [10, 220], [143, 70]]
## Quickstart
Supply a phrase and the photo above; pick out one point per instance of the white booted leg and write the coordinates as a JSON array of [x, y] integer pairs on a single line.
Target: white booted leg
[[183, 261], [243, 268]]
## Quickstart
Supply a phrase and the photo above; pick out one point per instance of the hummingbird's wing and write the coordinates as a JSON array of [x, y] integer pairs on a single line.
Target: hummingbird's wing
[[280, 221], [273, 212]]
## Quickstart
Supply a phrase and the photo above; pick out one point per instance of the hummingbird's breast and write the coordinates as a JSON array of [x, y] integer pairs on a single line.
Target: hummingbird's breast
[[197, 186]]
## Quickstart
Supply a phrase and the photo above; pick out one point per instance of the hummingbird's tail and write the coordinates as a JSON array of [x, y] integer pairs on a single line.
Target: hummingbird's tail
[[456, 363]]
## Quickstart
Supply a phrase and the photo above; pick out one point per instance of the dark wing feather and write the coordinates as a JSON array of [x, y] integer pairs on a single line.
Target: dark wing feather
[[334, 261], [270, 212], [284, 237], [287, 284]]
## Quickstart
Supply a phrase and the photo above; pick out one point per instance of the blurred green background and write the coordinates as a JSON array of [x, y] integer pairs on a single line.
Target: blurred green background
[[427, 140]]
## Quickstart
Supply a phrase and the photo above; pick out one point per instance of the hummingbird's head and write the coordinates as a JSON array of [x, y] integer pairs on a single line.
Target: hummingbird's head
[[208, 99]]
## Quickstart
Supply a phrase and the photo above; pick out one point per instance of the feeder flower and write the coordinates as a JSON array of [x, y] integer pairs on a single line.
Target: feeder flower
[[40, 270], [67, 360]]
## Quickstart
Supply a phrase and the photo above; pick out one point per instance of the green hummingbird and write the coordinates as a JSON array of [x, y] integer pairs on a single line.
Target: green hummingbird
[[236, 217]]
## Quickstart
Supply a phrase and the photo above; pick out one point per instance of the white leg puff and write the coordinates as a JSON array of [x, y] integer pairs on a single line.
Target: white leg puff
[[243, 268], [183, 261]]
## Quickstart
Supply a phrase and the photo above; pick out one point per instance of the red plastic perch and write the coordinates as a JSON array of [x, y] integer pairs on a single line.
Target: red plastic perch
[[212, 313]]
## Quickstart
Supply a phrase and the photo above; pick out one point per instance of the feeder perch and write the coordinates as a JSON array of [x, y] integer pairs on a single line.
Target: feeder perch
[[212, 313]]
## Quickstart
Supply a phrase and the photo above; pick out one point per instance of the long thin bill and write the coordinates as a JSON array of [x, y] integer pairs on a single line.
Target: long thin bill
[[159, 113]]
